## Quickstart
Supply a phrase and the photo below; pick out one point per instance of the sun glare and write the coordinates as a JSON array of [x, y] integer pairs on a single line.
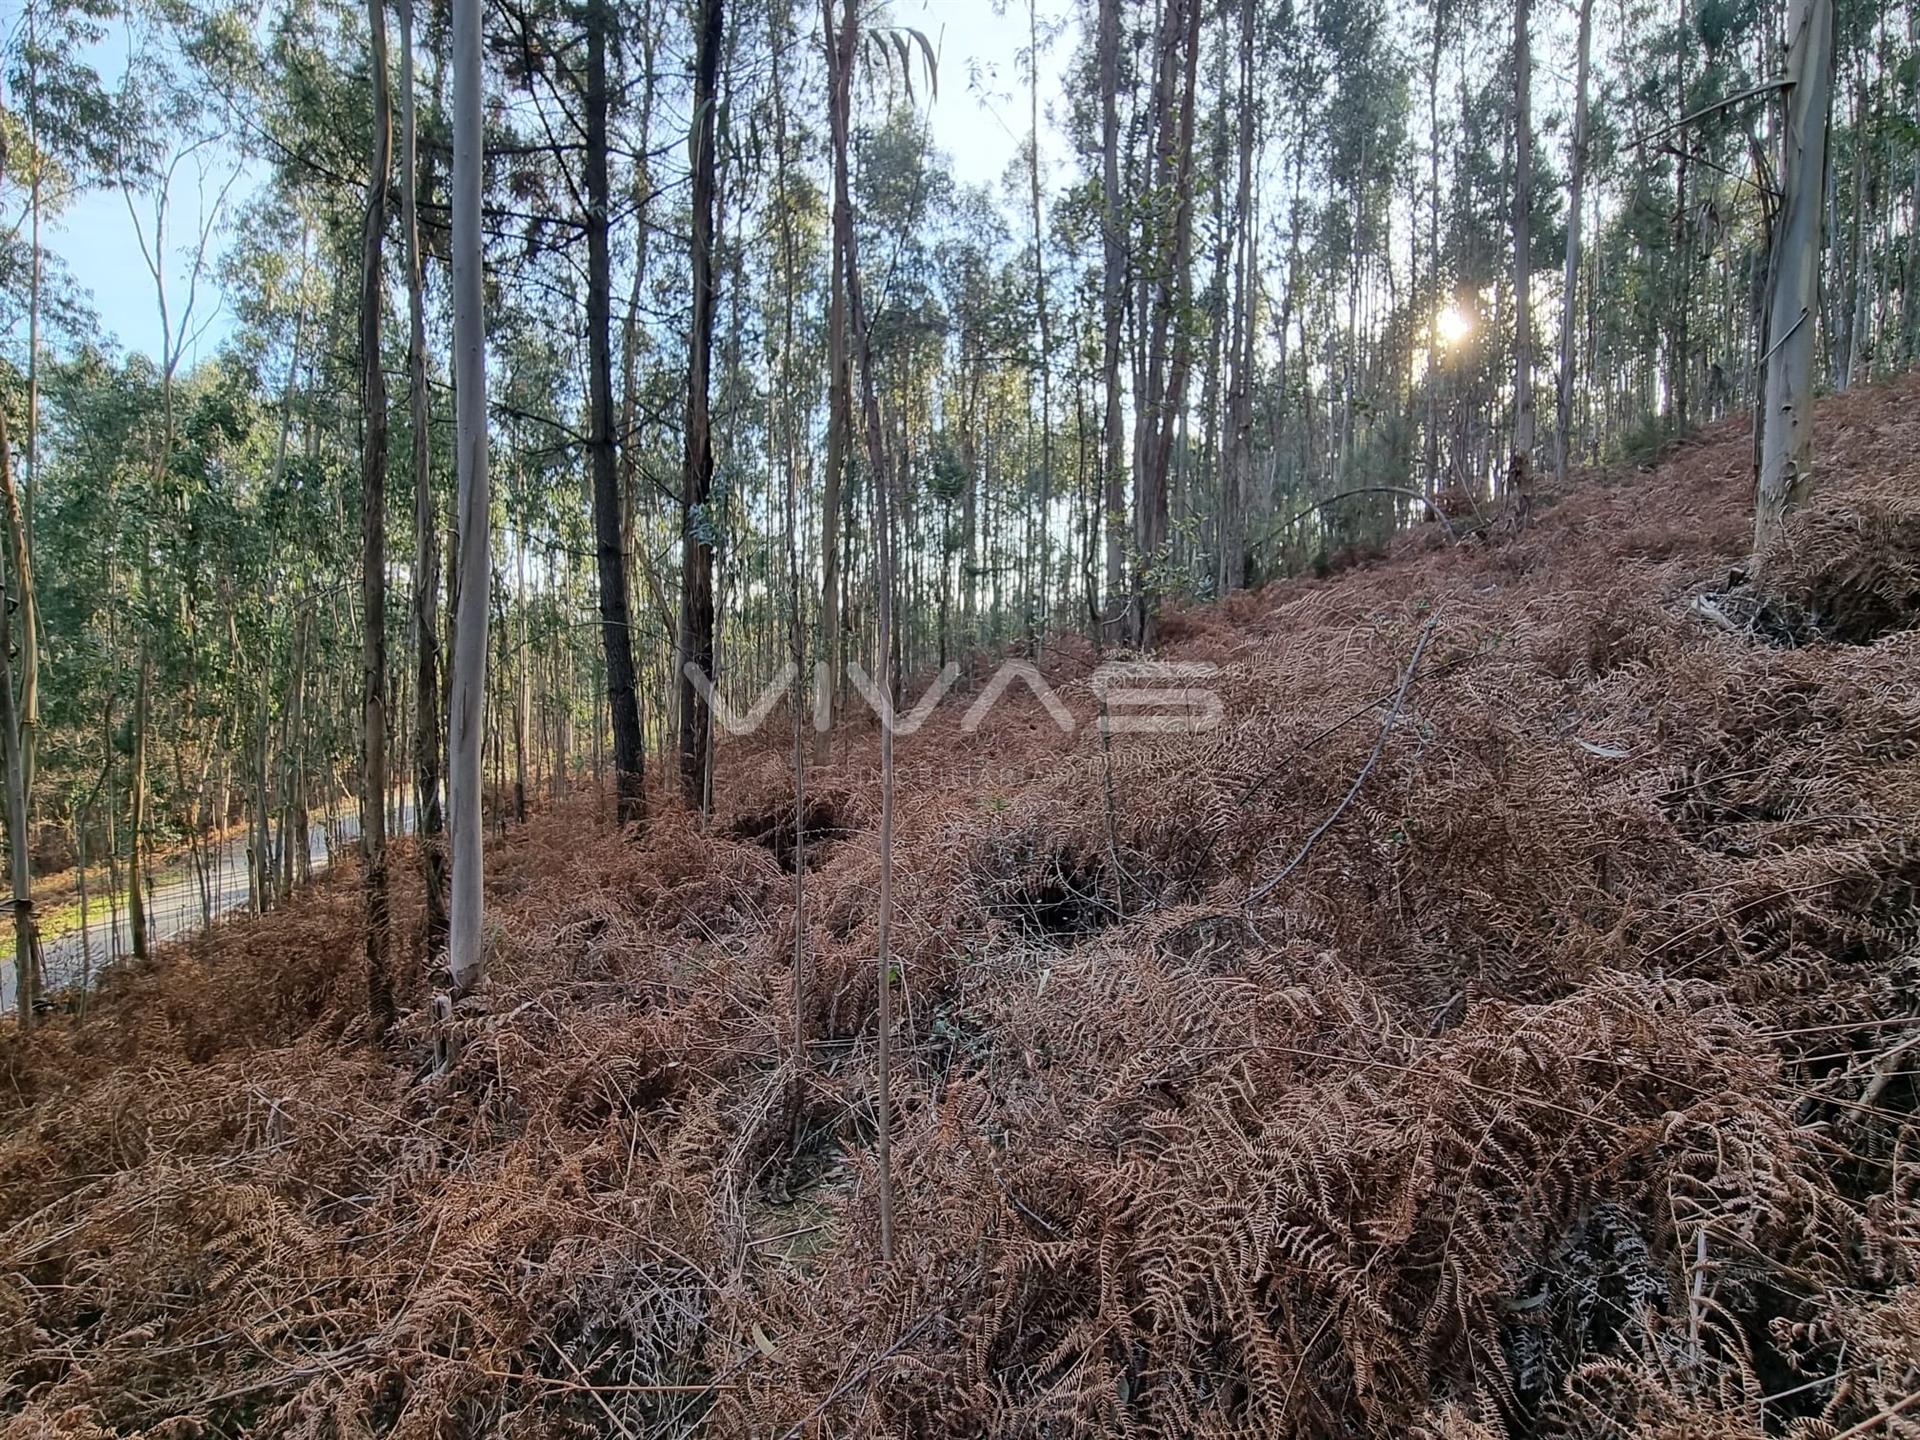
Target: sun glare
[[1454, 325]]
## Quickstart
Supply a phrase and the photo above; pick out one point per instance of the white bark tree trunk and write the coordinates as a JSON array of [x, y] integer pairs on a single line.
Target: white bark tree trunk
[[1786, 443], [1113, 300], [466, 955]]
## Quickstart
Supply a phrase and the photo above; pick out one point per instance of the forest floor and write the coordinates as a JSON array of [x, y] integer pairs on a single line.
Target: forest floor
[[1526, 1045]]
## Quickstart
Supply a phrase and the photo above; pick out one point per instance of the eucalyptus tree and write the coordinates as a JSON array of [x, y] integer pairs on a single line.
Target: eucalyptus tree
[[609, 548], [164, 125], [1236, 468], [58, 115], [842, 42], [373, 530], [17, 722], [429, 821], [95, 420], [466, 955], [1520, 463], [1786, 447], [697, 530], [842, 39], [983, 319], [1165, 294], [1570, 275], [1043, 356], [1113, 229], [55, 112], [839, 424], [784, 442]]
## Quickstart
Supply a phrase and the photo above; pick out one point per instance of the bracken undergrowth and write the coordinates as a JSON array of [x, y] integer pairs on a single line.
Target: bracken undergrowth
[[1563, 1085]]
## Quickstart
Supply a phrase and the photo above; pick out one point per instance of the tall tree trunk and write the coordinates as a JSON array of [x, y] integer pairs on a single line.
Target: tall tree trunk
[[1167, 390], [262, 787], [20, 515], [841, 51], [616, 631], [1217, 314], [839, 432], [466, 955], [1570, 277], [295, 841], [522, 658], [22, 720], [1520, 464], [1236, 470], [1680, 347], [86, 907], [1910, 287], [1151, 279], [796, 606], [16, 736], [253, 789], [633, 547], [1044, 323], [34, 274], [373, 541], [137, 806], [697, 531], [1859, 282], [291, 732], [1431, 381], [429, 824], [1786, 447], [1112, 308]]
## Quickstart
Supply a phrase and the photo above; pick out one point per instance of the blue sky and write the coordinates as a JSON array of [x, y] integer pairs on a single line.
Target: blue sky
[[979, 120], [100, 243]]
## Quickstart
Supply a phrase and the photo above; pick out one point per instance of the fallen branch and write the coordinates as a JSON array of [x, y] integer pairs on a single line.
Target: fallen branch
[[1765, 87], [1713, 614], [1292, 520], [591, 1389], [1379, 745], [849, 1381], [1261, 782], [1886, 1068], [1873, 1422]]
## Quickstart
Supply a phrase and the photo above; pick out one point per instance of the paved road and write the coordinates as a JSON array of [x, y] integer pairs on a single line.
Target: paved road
[[175, 909]]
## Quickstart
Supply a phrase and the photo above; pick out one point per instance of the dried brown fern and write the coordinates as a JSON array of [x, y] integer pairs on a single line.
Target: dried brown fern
[[1563, 1086]]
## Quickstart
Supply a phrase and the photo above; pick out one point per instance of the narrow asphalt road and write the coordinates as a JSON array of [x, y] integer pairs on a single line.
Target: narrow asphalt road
[[174, 909]]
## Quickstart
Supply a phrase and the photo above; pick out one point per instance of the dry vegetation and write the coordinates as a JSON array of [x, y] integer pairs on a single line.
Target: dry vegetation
[[1564, 1087]]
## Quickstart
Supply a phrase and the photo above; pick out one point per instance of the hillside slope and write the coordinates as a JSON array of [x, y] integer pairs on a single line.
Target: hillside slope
[[1532, 1054]]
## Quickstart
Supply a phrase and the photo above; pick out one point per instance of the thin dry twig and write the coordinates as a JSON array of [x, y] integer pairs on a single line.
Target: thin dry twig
[[1373, 759]]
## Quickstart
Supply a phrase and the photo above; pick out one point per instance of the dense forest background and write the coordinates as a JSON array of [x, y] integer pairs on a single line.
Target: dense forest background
[[1302, 275]]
